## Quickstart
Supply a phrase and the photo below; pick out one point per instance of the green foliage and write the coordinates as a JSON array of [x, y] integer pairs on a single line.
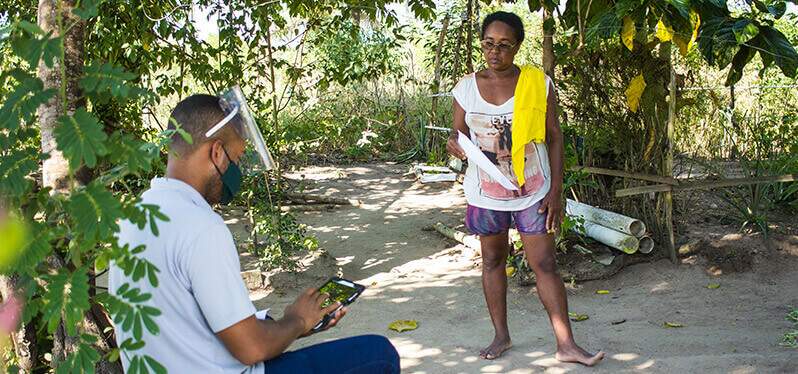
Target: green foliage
[[71, 230], [83, 359], [348, 54], [276, 238], [36, 45], [790, 338], [67, 297], [81, 138]]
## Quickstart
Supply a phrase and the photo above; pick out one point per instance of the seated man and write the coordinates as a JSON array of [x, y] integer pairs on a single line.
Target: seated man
[[208, 322]]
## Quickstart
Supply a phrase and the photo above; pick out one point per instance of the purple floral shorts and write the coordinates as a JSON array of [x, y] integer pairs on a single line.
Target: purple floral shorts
[[486, 222]]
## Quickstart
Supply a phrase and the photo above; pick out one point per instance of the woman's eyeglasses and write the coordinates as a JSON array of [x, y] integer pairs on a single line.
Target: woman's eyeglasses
[[488, 46]]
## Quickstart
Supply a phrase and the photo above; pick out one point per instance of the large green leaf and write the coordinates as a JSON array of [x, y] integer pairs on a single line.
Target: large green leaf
[[716, 38], [95, 212], [745, 30], [605, 26], [742, 58], [68, 297], [682, 7], [81, 138], [774, 46]]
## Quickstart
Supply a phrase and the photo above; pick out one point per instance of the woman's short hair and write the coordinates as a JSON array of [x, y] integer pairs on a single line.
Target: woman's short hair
[[511, 19]]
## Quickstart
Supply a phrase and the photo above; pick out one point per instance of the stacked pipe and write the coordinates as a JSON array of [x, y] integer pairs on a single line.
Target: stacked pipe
[[612, 229]]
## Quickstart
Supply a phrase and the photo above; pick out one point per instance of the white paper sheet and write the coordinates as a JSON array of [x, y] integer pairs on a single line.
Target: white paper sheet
[[476, 156]]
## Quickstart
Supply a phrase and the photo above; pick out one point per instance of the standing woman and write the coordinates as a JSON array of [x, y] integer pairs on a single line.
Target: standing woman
[[530, 154]]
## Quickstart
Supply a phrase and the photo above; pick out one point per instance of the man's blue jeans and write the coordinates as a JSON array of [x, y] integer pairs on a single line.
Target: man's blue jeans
[[365, 354]]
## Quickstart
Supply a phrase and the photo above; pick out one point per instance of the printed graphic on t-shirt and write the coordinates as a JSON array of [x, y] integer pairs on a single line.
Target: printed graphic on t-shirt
[[493, 136]]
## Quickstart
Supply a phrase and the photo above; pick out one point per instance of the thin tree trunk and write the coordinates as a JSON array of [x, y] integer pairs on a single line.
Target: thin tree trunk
[[24, 339], [549, 60], [470, 38], [54, 16]]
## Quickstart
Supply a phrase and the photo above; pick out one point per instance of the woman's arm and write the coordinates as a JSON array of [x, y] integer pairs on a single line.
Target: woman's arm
[[552, 203], [458, 124]]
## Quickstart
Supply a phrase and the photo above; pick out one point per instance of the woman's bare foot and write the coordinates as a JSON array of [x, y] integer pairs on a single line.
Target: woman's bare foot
[[577, 354], [496, 349]]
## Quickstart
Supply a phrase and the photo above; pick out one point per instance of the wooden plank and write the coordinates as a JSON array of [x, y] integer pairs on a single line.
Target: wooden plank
[[705, 184], [624, 174], [643, 189], [732, 182]]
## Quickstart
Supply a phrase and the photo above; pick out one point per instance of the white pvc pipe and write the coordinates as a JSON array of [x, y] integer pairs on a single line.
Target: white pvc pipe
[[615, 221], [615, 239], [646, 244]]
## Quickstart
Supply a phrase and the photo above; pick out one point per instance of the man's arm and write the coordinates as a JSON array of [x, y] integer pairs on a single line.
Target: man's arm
[[252, 340]]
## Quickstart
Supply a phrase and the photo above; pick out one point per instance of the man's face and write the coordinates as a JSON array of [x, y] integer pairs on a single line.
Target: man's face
[[218, 158]]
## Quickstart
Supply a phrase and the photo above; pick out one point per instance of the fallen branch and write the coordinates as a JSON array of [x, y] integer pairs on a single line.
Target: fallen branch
[[471, 241], [304, 198], [308, 208]]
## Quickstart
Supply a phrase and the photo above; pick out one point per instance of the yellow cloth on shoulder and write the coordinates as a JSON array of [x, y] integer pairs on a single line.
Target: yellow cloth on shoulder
[[529, 115]]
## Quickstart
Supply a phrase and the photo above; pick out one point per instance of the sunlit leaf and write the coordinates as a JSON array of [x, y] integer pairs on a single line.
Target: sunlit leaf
[[577, 317], [686, 45], [673, 325], [713, 286], [664, 32], [602, 292], [635, 91], [628, 32], [510, 270], [81, 138], [403, 325]]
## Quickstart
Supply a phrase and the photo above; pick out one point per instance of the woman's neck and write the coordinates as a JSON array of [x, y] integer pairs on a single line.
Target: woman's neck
[[504, 73]]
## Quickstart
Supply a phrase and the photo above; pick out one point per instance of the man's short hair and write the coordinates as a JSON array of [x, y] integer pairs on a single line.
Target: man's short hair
[[196, 114]]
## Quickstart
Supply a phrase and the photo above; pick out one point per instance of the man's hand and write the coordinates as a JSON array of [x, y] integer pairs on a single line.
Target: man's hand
[[552, 205], [307, 309], [453, 148], [334, 321]]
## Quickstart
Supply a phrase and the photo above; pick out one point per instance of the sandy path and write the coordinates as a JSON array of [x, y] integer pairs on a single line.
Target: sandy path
[[415, 274]]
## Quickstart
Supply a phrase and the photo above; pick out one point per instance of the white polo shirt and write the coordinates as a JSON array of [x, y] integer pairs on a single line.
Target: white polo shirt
[[200, 289]]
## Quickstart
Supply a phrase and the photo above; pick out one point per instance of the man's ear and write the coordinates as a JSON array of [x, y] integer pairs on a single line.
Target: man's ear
[[217, 154]]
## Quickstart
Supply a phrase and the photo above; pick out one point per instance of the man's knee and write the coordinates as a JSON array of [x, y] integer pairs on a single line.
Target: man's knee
[[383, 349]]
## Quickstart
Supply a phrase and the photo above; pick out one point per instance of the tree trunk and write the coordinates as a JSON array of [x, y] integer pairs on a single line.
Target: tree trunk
[[23, 339], [54, 16], [549, 60], [55, 170], [470, 38]]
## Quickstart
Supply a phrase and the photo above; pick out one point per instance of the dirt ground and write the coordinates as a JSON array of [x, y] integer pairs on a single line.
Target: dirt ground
[[414, 273]]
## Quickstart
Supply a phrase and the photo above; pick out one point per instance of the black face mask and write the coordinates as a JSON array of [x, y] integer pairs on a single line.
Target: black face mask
[[231, 180]]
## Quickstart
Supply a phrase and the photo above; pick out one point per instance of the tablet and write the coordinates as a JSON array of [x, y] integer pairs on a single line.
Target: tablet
[[341, 290]]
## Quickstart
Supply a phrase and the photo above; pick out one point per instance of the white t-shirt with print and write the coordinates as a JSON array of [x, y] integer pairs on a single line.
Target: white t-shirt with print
[[490, 127], [200, 290]]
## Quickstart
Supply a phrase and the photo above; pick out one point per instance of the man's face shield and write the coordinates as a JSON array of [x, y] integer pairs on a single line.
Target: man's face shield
[[256, 157]]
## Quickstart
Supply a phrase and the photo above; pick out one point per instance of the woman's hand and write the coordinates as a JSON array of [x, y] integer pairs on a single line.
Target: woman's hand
[[453, 148], [552, 205]]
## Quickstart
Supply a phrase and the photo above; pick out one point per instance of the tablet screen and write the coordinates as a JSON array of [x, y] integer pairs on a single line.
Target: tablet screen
[[337, 291]]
